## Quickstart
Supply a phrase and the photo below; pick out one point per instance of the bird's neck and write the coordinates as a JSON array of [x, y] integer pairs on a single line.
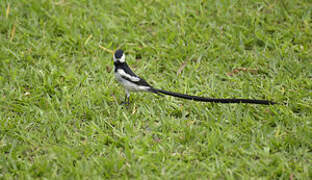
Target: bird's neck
[[119, 65]]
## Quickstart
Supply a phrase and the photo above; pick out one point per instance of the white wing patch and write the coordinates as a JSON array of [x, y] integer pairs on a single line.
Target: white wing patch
[[132, 78], [130, 85]]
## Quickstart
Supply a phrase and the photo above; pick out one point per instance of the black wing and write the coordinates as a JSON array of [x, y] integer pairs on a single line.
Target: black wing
[[127, 70]]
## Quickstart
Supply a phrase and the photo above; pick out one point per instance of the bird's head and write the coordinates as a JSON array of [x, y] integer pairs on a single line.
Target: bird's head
[[119, 56]]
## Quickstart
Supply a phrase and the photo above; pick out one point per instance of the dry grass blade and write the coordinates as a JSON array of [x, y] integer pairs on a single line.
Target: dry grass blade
[[237, 70], [181, 68], [107, 50], [13, 32], [7, 11], [88, 39]]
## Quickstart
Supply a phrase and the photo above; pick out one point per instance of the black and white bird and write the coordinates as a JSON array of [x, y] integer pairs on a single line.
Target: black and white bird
[[131, 82]]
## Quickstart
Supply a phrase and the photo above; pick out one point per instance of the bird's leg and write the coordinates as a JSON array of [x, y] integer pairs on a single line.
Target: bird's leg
[[127, 98], [128, 102]]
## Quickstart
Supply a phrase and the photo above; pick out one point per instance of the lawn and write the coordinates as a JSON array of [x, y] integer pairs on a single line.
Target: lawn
[[60, 107]]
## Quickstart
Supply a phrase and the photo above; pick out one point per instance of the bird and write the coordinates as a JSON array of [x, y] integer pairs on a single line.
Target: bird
[[133, 83]]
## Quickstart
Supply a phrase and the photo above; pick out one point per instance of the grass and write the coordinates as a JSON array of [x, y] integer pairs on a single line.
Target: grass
[[60, 112]]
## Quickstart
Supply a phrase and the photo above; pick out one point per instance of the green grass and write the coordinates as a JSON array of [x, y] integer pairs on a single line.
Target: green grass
[[60, 112]]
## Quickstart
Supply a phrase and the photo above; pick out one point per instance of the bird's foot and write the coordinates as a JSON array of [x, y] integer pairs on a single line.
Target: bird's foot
[[126, 103]]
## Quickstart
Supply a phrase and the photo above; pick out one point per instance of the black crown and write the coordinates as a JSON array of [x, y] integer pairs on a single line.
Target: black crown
[[118, 53]]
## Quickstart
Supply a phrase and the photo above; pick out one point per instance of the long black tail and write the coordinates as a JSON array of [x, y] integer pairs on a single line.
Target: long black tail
[[204, 99]]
